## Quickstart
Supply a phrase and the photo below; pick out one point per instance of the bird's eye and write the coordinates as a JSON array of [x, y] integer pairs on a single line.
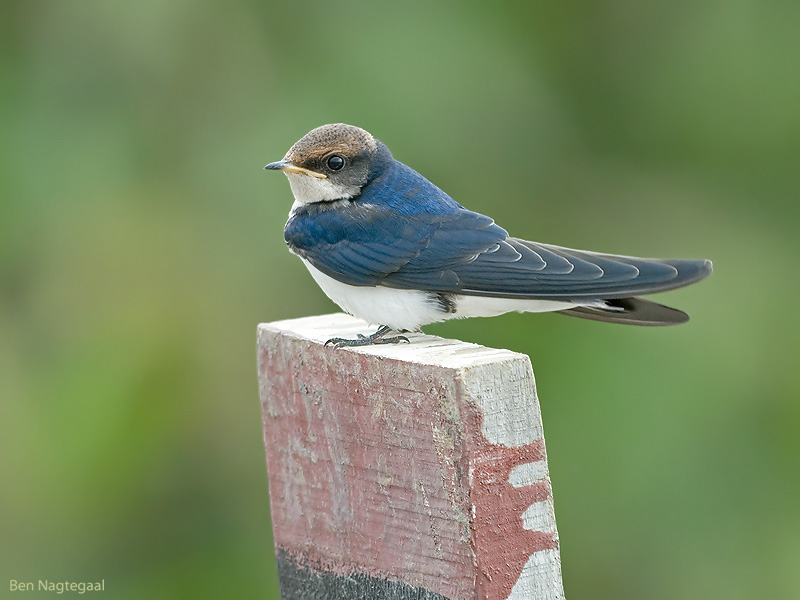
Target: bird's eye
[[335, 162]]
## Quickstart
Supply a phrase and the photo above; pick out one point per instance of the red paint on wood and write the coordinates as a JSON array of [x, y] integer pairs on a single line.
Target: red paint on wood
[[362, 477], [502, 545]]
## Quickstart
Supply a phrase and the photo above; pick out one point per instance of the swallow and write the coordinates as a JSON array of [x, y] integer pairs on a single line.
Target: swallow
[[392, 249]]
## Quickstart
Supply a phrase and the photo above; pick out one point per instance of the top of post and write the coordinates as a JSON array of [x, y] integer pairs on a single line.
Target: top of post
[[422, 349]]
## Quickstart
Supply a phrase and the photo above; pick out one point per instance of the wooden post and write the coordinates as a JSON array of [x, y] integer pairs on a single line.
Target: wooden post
[[408, 471]]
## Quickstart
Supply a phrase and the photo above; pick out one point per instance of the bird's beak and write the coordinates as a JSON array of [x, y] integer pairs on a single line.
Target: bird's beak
[[287, 166]]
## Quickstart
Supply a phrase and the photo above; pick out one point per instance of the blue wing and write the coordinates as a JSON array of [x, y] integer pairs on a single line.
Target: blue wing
[[417, 237], [516, 268]]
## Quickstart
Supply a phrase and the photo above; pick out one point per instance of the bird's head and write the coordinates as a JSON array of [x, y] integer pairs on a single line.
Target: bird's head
[[331, 162]]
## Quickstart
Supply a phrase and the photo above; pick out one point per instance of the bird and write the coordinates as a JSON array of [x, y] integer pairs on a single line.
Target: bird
[[391, 248]]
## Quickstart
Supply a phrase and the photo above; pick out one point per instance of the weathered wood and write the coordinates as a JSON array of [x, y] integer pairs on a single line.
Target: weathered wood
[[406, 471]]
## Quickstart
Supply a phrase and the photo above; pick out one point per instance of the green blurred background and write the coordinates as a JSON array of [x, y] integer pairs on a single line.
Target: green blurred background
[[141, 243]]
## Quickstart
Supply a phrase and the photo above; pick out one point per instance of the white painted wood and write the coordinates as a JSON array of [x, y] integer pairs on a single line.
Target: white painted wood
[[540, 579], [423, 349]]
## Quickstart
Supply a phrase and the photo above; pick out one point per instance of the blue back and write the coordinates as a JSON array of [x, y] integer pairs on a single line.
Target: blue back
[[400, 221]]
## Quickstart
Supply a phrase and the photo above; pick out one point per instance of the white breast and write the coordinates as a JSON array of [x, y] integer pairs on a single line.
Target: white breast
[[399, 309]]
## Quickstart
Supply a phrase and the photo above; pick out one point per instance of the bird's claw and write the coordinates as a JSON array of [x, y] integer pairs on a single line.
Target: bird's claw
[[364, 340]]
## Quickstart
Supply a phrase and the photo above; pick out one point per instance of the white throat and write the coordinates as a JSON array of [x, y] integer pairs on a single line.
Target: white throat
[[307, 189]]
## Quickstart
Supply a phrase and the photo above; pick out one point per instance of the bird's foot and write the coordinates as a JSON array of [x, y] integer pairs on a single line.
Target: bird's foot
[[367, 340]]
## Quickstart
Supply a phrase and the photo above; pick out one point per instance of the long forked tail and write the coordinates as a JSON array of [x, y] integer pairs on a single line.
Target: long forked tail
[[630, 311]]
